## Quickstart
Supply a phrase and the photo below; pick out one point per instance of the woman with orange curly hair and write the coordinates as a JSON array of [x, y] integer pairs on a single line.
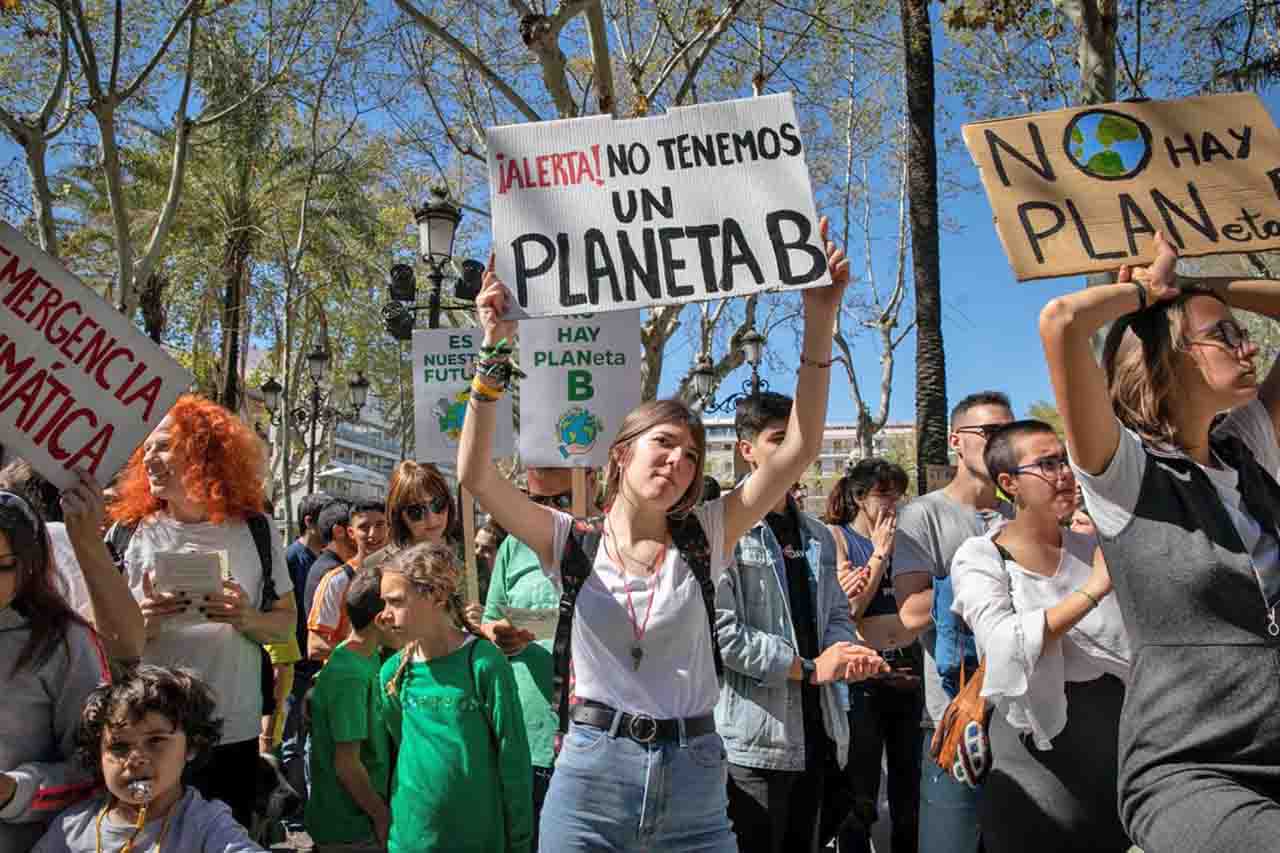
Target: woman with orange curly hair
[[194, 485]]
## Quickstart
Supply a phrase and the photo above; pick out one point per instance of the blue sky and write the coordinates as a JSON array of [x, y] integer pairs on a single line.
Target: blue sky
[[988, 323]]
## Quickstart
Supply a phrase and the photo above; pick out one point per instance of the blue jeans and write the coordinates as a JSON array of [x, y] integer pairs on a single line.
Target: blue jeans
[[612, 794], [948, 809]]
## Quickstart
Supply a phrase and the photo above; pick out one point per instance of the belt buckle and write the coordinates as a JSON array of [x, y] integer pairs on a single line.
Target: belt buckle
[[642, 728]]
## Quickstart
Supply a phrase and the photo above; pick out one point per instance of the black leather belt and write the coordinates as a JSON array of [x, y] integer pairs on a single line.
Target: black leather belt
[[640, 727]]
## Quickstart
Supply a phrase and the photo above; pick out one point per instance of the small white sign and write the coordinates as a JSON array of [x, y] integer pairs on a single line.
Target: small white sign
[[192, 574], [80, 386], [705, 202], [584, 373], [443, 364], [539, 621]]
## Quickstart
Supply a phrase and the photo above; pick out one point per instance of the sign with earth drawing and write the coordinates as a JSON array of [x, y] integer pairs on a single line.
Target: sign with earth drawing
[[583, 377], [600, 214], [1086, 189], [443, 364]]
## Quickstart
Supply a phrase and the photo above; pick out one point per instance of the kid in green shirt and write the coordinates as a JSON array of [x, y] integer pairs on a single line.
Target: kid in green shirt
[[463, 777], [350, 744]]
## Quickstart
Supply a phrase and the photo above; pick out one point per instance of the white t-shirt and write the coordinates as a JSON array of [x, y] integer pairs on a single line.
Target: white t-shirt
[[677, 675], [1112, 495], [70, 578], [226, 658]]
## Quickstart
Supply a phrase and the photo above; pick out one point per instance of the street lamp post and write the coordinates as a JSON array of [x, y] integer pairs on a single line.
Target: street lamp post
[[704, 375], [319, 411]]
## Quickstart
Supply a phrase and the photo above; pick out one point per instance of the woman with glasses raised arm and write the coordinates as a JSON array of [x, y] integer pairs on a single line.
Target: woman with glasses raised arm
[[1186, 513], [1056, 655], [642, 765]]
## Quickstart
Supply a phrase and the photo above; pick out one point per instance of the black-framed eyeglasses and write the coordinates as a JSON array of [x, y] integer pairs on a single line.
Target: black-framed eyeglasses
[[984, 430], [1225, 334], [562, 501], [436, 505], [1048, 467]]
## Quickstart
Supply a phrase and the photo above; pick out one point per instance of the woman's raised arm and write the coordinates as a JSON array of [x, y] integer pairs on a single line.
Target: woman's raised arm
[[749, 502], [532, 524], [1067, 325]]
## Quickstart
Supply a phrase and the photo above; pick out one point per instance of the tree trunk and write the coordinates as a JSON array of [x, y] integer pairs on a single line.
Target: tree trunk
[[120, 219], [922, 191], [35, 147], [235, 264], [151, 301]]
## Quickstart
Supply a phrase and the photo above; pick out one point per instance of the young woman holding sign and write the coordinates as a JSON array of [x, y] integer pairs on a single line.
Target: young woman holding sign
[[1187, 515], [642, 763]]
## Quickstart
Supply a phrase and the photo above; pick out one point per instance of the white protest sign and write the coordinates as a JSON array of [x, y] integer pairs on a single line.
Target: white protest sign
[[583, 373], [596, 214], [80, 386], [443, 364]]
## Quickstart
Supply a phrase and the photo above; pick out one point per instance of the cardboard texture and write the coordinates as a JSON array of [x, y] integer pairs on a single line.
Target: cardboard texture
[[583, 372], [443, 364], [80, 386], [1085, 189], [597, 214]]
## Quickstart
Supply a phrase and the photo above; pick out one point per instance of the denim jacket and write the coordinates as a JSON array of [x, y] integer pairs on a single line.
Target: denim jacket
[[759, 713]]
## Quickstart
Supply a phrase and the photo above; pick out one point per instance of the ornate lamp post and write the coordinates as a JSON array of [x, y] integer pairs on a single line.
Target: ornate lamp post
[[438, 222], [319, 409], [704, 375]]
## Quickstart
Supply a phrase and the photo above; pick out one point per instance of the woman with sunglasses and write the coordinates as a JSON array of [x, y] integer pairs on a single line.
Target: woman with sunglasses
[[50, 661], [1056, 655], [419, 509], [1187, 515]]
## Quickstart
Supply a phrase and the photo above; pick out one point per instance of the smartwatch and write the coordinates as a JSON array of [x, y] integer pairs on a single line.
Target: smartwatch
[[807, 670]]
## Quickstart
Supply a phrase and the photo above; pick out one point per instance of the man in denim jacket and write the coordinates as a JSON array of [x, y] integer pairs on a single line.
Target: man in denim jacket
[[786, 636]]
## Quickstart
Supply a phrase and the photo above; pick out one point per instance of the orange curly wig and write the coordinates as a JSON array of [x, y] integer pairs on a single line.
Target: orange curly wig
[[226, 464]]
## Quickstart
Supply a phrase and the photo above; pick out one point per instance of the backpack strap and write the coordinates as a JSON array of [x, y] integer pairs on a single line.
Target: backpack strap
[[691, 540], [576, 562], [260, 527]]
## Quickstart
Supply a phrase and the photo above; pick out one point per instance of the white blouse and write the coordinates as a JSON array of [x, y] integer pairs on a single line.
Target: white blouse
[[1005, 604]]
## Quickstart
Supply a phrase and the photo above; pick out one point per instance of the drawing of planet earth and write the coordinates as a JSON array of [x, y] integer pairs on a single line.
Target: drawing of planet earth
[[1108, 145]]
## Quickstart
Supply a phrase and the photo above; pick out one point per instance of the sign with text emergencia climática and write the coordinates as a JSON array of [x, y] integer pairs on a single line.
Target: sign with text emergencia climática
[[80, 386], [1086, 189], [597, 214], [583, 378], [443, 364]]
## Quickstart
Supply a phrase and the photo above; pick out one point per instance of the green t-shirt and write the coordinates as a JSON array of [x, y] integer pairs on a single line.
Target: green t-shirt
[[518, 581], [344, 708], [462, 782]]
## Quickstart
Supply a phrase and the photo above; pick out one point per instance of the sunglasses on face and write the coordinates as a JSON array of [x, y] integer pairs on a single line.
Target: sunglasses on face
[[1048, 467], [1225, 334], [562, 501], [984, 430], [8, 563], [436, 505]]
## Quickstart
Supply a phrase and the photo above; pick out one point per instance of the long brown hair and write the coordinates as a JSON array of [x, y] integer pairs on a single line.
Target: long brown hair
[[415, 483], [643, 418], [36, 598], [430, 569], [1140, 358]]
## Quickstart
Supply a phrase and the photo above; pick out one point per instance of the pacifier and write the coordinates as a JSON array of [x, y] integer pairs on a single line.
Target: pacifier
[[142, 791]]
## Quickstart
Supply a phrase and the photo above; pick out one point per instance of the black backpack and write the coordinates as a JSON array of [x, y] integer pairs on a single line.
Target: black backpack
[[575, 567], [259, 525]]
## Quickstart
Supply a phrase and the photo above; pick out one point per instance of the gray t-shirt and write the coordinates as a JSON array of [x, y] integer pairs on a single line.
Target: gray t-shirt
[[196, 825], [931, 529]]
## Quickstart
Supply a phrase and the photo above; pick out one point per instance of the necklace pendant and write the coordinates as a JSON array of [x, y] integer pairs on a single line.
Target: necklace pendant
[[637, 655]]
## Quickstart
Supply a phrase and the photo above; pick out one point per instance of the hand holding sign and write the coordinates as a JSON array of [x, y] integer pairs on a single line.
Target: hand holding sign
[[491, 307], [829, 298], [158, 608], [1160, 279]]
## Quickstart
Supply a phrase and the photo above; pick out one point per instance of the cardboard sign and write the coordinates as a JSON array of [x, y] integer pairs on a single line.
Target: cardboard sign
[[1085, 189], [443, 364], [583, 377], [80, 386], [595, 214]]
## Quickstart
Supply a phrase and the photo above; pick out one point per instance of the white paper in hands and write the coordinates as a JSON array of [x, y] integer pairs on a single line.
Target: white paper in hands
[[192, 574], [539, 621]]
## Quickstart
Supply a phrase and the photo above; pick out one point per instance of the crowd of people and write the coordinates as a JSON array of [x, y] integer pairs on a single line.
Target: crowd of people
[[727, 670]]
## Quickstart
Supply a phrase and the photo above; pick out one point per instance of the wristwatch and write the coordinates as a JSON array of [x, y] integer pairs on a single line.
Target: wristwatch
[[808, 669]]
